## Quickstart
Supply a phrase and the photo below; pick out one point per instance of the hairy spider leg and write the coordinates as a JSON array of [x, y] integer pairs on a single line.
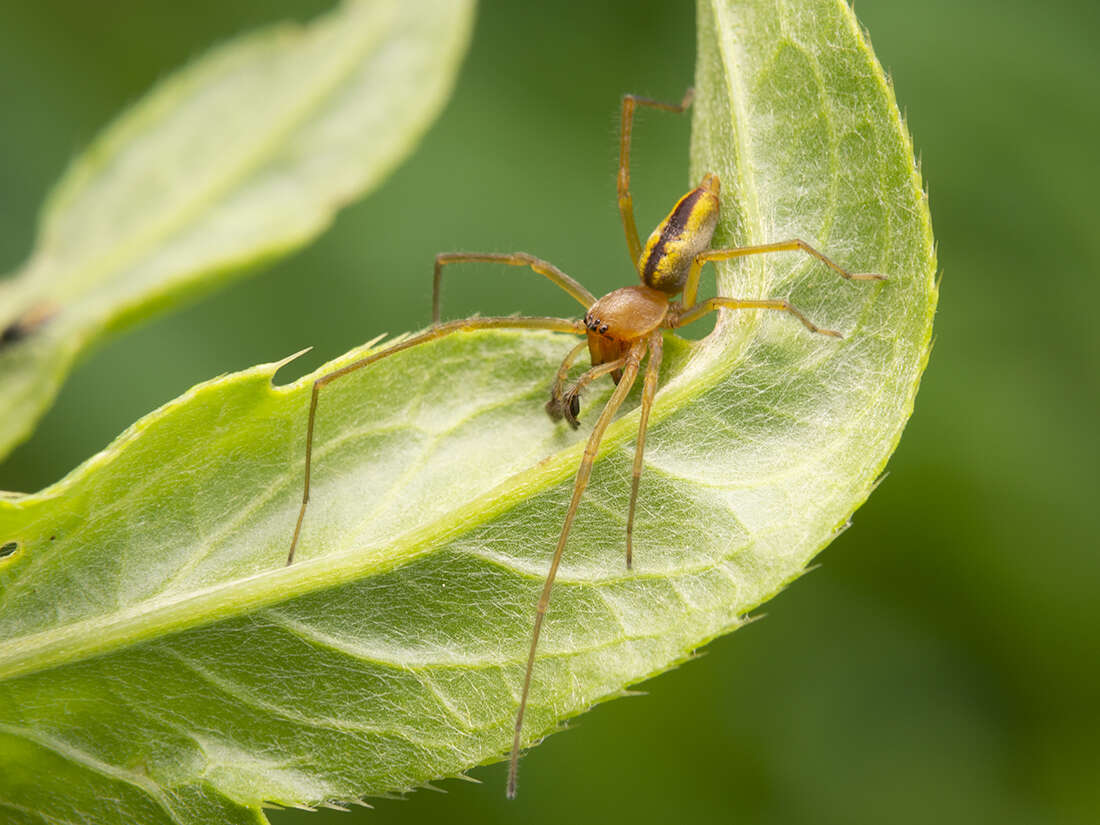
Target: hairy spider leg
[[626, 202], [649, 392], [630, 372], [711, 304], [439, 331], [570, 406], [691, 287], [555, 407], [570, 285]]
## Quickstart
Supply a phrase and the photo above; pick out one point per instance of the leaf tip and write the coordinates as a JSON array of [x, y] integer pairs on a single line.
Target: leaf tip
[[280, 364], [275, 366]]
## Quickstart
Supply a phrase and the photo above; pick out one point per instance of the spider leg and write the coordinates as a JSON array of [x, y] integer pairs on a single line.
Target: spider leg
[[630, 372], [555, 406], [708, 306], [691, 287], [626, 202], [649, 391], [573, 287], [440, 331], [569, 405]]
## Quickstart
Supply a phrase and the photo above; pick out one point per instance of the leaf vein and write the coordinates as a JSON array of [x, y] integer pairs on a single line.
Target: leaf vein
[[85, 760], [244, 695]]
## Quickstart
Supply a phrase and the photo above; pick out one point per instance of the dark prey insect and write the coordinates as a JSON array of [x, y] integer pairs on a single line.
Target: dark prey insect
[[620, 329]]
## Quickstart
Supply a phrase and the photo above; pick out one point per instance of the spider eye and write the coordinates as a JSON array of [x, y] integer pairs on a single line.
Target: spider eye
[[574, 406]]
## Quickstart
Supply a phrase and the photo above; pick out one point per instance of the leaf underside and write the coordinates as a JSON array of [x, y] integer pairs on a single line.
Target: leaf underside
[[158, 654], [241, 157]]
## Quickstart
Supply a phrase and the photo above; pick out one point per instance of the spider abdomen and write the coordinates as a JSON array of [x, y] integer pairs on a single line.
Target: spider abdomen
[[671, 249]]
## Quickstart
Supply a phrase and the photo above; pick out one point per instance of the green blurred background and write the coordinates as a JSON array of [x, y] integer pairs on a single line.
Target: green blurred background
[[943, 663]]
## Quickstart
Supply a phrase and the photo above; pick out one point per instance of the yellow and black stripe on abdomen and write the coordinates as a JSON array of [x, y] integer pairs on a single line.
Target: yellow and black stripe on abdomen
[[686, 232]]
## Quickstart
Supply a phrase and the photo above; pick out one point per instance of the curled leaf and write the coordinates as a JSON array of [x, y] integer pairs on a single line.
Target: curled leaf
[[157, 653]]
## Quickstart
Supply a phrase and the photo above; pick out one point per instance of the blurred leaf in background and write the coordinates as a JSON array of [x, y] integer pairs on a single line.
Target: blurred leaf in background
[[942, 664], [240, 157]]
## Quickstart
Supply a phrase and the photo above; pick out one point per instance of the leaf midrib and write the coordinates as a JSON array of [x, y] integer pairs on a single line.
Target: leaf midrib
[[738, 115]]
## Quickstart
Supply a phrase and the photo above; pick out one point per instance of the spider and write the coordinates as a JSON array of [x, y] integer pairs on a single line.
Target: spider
[[619, 330]]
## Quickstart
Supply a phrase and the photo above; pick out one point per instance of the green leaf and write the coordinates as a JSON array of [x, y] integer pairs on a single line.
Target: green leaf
[[243, 156], [159, 655]]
